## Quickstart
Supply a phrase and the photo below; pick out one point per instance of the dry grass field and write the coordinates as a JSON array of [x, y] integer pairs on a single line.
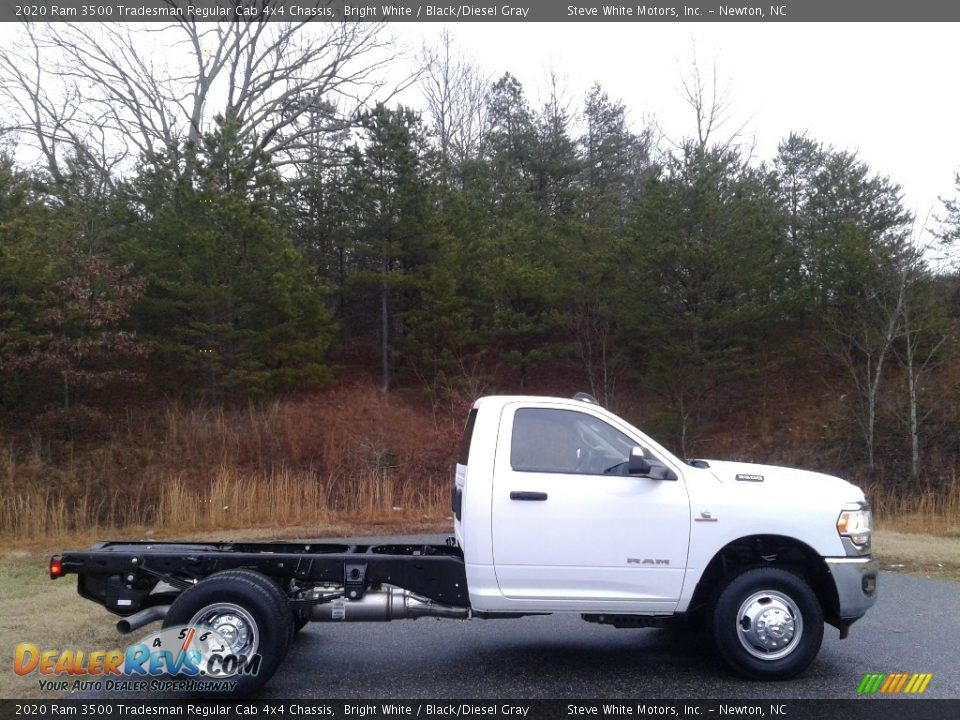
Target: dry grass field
[[354, 453]]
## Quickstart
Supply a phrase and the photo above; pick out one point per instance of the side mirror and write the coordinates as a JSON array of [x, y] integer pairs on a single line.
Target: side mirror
[[637, 464]]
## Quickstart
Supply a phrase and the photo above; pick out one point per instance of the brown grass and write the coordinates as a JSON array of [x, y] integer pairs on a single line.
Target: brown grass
[[230, 501], [918, 509], [356, 453], [291, 499]]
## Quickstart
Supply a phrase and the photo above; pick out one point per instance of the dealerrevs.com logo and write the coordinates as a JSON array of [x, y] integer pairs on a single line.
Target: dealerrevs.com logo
[[187, 659], [898, 683]]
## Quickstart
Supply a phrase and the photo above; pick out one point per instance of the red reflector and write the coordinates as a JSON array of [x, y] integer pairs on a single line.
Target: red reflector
[[56, 568]]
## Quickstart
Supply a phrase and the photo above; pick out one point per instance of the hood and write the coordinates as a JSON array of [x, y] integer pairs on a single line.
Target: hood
[[778, 479]]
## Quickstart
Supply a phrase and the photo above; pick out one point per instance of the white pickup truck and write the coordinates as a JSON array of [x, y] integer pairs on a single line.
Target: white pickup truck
[[559, 507]]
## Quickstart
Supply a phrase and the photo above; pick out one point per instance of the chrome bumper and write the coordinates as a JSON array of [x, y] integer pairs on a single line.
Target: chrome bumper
[[856, 581]]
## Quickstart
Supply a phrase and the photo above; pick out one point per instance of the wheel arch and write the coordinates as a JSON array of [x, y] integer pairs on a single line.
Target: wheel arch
[[767, 550]]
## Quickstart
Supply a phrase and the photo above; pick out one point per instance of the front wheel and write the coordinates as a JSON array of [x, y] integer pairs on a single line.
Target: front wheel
[[767, 624]]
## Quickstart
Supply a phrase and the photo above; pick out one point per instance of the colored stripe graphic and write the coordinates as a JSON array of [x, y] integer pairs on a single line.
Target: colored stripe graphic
[[900, 683], [927, 677], [870, 683], [889, 682], [894, 683]]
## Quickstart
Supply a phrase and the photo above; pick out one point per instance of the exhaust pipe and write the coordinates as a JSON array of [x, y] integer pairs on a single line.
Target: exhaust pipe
[[385, 605], [136, 621]]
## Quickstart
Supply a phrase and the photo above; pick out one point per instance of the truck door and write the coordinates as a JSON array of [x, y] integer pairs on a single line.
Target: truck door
[[570, 524]]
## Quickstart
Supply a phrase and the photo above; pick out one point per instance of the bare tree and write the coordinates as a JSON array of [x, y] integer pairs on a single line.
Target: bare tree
[[864, 336], [601, 362], [947, 234], [925, 333], [455, 92], [272, 77], [46, 109], [712, 105]]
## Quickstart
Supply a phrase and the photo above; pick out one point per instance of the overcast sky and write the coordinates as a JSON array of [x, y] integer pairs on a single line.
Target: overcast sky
[[889, 91]]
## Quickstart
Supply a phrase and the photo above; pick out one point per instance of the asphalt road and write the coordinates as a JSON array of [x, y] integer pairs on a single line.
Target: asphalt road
[[915, 627]]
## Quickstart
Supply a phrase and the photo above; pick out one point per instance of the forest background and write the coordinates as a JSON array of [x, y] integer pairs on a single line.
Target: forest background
[[250, 289]]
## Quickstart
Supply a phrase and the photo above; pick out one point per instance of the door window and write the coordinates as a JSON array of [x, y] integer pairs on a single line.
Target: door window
[[567, 441]]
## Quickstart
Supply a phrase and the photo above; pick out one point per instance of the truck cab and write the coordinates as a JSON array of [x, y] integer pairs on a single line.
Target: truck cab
[[562, 506]]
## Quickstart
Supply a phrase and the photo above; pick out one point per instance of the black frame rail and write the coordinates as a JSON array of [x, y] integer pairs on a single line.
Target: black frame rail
[[122, 576]]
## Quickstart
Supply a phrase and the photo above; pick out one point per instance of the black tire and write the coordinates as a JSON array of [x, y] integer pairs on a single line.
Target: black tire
[[767, 624], [265, 610], [276, 590]]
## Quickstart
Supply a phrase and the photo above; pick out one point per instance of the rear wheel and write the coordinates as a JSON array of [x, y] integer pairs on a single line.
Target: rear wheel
[[250, 612], [767, 624]]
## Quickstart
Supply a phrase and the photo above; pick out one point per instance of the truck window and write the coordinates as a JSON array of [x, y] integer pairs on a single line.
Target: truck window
[[567, 441], [464, 452]]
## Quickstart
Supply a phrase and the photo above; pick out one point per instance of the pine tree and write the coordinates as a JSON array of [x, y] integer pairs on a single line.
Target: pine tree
[[232, 304]]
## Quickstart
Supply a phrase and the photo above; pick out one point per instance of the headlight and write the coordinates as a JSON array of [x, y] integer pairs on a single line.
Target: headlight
[[855, 523]]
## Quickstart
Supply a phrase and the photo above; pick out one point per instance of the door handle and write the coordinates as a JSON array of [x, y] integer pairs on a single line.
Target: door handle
[[524, 495]]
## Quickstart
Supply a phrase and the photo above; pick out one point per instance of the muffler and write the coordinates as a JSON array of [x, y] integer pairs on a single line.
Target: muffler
[[384, 605]]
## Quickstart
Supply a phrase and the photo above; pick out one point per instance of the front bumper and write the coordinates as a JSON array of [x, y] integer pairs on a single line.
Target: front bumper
[[856, 582]]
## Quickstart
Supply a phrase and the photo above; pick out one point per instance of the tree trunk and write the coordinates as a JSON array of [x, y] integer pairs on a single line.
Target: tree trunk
[[912, 397], [384, 327]]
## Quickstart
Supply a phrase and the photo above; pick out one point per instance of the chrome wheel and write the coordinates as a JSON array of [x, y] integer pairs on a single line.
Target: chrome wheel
[[233, 623], [252, 622], [769, 625]]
